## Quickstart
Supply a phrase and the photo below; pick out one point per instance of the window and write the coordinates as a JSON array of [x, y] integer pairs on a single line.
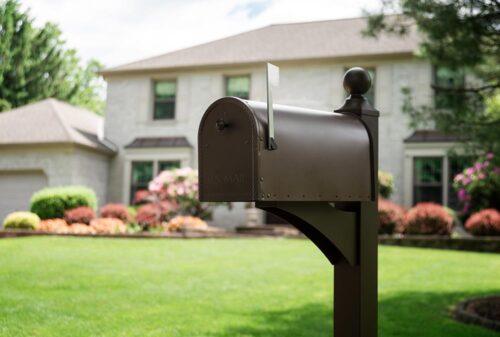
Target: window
[[445, 78], [427, 179], [238, 86], [168, 165], [164, 99], [370, 95], [142, 174]]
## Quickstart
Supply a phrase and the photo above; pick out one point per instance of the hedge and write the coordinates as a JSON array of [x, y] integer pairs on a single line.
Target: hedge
[[52, 202], [21, 220]]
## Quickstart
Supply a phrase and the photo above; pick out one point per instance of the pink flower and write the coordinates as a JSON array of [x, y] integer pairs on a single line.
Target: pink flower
[[489, 155], [458, 178], [478, 166], [470, 171], [467, 181], [486, 163], [481, 175], [462, 194]]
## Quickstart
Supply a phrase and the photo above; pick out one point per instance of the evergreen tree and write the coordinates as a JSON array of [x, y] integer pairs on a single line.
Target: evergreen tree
[[34, 64], [461, 37]]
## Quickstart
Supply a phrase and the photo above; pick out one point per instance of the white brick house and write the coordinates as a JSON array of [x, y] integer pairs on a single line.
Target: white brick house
[[154, 105]]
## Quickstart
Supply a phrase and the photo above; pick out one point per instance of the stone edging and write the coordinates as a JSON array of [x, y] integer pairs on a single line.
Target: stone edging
[[489, 244], [461, 314]]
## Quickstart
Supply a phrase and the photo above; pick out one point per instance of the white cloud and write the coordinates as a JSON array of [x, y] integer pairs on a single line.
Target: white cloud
[[120, 31]]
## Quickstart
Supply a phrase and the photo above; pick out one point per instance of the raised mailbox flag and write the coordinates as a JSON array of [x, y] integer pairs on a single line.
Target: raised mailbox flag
[[272, 82]]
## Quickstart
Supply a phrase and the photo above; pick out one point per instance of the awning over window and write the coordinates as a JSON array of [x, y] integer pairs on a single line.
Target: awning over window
[[430, 136], [145, 142]]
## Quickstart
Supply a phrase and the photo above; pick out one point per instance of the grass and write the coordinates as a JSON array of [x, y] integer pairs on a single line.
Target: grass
[[222, 288]]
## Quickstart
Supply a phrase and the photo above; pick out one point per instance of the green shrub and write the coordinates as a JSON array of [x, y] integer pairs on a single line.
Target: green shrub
[[385, 184], [51, 202], [21, 220]]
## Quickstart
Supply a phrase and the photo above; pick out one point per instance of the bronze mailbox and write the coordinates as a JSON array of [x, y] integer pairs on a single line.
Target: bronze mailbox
[[321, 156], [315, 169]]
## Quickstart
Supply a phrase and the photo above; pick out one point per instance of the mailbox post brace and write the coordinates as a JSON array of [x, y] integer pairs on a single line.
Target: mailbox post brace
[[346, 232]]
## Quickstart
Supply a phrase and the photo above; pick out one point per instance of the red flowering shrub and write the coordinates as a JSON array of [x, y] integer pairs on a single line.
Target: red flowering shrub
[[82, 214], [153, 214], [428, 218], [485, 222], [391, 217], [142, 197], [116, 211]]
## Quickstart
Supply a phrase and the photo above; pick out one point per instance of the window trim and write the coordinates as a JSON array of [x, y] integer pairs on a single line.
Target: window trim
[[154, 100], [228, 76], [131, 175], [441, 184], [183, 155]]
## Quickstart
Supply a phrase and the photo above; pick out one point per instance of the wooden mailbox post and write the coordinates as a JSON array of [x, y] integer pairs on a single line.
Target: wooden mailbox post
[[319, 174]]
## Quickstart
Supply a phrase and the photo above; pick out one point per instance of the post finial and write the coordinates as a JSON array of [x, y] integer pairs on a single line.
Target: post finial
[[357, 81]]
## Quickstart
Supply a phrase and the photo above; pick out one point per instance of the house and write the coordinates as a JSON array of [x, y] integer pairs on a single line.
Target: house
[[50, 143], [154, 107]]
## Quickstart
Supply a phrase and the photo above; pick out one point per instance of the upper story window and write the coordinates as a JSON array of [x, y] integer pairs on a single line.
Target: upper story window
[[164, 99], [238, 86], [370, 95], [446, 79]]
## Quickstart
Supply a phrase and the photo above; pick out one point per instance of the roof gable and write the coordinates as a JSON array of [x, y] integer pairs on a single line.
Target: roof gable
[[52, 121], [282, 42]]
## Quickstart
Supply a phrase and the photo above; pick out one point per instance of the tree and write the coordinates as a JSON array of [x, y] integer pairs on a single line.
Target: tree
[[34, 64], [462, 38]]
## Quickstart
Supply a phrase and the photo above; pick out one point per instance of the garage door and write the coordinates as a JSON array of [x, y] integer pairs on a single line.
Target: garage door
[[16, 189]]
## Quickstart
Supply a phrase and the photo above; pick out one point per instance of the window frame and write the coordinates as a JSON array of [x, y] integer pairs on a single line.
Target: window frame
[[165, 100], [133, 188], [226, 82], [416, 185], [437, 102]]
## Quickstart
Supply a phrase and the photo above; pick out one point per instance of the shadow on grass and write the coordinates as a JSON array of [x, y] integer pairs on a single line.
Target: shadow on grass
[[410, 314]]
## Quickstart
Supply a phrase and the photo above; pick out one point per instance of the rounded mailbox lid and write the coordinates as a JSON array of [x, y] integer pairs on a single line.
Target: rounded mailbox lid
[[321, 155]]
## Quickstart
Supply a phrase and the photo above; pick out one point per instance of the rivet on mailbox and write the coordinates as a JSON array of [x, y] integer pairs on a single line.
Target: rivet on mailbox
[[315, 169]]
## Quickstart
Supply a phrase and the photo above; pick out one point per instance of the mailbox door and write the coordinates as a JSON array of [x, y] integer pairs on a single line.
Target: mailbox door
[[227, 150]]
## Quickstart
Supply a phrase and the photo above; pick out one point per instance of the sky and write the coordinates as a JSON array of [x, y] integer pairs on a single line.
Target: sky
[[120, 31]]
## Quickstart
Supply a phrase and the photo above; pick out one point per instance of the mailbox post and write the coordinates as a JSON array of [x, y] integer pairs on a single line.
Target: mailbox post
[[320, 175]]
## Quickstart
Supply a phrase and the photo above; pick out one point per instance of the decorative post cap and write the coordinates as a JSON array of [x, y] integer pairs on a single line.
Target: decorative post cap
[[357, 82]]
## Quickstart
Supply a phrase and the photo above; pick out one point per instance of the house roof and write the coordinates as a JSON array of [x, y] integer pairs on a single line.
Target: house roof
[[282, 42], [431, 136], [51, 121], [146, 142]]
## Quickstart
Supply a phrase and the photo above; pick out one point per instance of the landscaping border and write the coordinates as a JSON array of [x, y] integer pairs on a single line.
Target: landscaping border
[[474, 244], [489, 244], [462, 314]]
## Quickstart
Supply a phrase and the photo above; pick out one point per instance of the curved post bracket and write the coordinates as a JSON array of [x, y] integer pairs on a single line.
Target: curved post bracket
[[332, 230]]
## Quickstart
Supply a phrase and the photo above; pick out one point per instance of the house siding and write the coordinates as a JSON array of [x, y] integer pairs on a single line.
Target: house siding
[[61, 164], [316, 85]]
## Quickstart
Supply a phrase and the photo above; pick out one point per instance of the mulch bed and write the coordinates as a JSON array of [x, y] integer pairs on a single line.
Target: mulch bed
[[480, 311], [489, 244]]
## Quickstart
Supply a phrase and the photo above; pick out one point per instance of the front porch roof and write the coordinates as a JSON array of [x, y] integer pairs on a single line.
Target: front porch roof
[[148, 142]]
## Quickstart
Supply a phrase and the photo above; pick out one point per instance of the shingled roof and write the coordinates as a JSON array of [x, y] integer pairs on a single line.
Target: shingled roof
[[51, 121], [281, 42]]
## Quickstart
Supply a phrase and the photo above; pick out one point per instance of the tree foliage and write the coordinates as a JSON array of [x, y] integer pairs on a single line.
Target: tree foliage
[[462, 37], [34, 64]]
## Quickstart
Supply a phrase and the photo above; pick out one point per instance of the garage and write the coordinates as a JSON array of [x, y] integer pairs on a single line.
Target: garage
[[16, 189]]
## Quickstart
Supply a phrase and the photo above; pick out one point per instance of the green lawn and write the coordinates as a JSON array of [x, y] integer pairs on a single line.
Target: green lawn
[[226, 287]]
